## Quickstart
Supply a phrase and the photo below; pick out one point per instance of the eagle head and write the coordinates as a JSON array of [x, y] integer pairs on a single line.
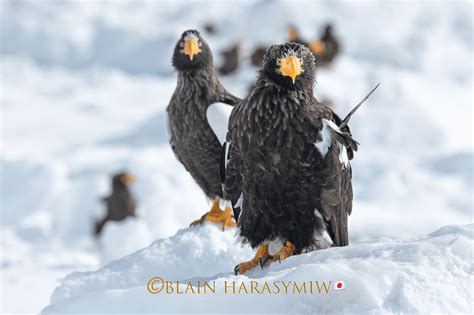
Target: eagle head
[[191, 52], [290, 65]]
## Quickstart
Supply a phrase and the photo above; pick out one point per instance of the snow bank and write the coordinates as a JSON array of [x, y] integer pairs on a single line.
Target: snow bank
[[431, 274], [31, 267], [123, 35], [204, 251], [131, 233]]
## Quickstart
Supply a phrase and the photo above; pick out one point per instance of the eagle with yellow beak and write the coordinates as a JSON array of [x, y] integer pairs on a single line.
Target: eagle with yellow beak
[[192, 138], [286, 162]]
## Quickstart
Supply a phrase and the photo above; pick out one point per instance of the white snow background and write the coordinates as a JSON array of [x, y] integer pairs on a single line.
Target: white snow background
[[84, 87]]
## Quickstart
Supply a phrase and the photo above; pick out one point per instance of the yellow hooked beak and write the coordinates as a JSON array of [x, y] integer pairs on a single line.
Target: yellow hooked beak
[[191, 48], [290, 67], [128, 179], [317, 47]]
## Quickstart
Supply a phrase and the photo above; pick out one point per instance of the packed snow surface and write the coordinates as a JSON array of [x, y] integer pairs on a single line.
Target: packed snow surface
[[430, 274], [84, 87]]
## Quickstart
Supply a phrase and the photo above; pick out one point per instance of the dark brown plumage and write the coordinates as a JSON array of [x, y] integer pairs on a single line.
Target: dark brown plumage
[[231, 60], [192, 138], [287, 170], [120, 203]]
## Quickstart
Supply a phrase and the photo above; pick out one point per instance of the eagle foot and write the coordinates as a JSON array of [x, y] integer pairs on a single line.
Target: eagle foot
[[286, 251], [217, 215], [261, 258], [265, 261]]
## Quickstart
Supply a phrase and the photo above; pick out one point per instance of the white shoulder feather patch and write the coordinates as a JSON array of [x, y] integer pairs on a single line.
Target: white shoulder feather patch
[[332, 125], [325, 143], [326, 139], [218, 118], [343, 158]]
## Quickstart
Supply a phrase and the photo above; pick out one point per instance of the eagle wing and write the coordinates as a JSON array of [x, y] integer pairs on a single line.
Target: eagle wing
[[223, 96], [230, 167], [336, 147], [226, 98], [219, 110]]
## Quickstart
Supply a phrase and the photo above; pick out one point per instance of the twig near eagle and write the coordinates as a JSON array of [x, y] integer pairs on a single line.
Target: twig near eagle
[[285, 166], [193, 141], [348, 117]]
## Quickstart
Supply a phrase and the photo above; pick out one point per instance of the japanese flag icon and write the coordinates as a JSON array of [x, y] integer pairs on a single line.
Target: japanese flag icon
[[339, 285]]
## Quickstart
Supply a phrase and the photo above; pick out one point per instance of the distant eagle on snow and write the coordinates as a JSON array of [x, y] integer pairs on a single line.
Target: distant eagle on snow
[[120, 203]]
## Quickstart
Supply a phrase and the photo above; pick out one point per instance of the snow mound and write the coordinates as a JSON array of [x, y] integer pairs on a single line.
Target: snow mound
[[204, 251], [131, 234], [431, 274]]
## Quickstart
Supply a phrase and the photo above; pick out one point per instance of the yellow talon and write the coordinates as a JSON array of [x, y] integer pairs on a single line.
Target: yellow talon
[[216, 215], [262, 253], [285, 252], [263, 257]]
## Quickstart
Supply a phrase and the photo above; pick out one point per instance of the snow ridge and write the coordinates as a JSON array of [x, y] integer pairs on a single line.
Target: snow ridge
[[381, 275]]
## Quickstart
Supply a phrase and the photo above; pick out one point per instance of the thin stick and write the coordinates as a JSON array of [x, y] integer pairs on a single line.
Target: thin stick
[[346, 120]]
